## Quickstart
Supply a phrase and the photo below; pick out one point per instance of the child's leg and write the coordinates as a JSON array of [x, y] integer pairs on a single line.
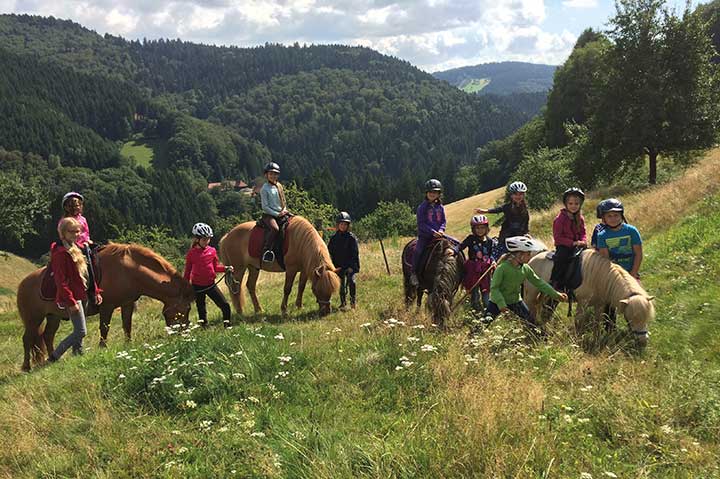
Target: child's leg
[[216, 295], [200, 303], [343, 287], [522, 310], [75, 338], [493, 310], [475, 298], [351, 286], [486, 298], [417, 254], [561, 261]]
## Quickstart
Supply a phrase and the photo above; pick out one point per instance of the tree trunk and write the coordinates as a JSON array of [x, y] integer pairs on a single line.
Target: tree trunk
[[652, 156]]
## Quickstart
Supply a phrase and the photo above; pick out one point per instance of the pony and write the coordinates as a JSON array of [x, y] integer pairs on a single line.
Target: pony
[[603, 283], [307, 254], [441, 278], [128, 272]]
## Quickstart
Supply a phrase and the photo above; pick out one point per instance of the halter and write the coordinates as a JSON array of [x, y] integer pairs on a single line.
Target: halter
[[323, 302]]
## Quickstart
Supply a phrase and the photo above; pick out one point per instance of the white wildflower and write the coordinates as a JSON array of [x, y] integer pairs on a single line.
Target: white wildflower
[[610, 474], [257, 434], [413, 339], [366, 325], [428, 348], [190, 404], [279, 336], [585, 475], [239, 375], [121, 376]]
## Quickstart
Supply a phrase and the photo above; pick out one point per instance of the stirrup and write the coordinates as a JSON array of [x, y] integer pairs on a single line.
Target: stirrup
[[268, 256]]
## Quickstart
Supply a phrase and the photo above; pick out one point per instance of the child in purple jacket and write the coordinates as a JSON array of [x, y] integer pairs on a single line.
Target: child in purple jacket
[[430, 223]]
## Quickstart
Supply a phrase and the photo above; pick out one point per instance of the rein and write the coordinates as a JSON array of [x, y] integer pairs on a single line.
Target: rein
[[212, 285]]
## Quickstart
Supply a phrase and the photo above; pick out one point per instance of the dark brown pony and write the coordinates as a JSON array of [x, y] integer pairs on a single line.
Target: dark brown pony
[[440, 279], [128, 272], [307, 254]]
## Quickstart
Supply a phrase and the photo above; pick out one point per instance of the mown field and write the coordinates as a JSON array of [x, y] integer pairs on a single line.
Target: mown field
[[378, 392]]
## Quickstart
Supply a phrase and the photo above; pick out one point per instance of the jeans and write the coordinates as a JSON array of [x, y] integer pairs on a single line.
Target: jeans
[[475, 296], [519, 308], [216, 295], [347, 281], [75, 338]]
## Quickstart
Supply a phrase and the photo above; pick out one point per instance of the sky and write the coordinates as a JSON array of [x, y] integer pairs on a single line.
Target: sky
[[433, 35]]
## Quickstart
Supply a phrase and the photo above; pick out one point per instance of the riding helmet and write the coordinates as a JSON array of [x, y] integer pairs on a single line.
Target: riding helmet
[[517, 187], [611, 204], [523, 244], [202, 230], [72, 194], [479, 220], [573, 192], [343, 217], [433, 185], [272, 167]]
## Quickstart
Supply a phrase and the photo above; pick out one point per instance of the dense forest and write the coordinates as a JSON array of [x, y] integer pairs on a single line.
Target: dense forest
[[349, 125]]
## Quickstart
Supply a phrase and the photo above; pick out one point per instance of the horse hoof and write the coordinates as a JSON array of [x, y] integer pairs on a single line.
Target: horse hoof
[[103, 344]]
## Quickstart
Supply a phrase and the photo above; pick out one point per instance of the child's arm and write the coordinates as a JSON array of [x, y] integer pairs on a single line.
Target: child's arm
[[218, 267], [444, 221], [559, 238], [638, 251], [424, 228], [542, 285], [496, 295], [493, 211]]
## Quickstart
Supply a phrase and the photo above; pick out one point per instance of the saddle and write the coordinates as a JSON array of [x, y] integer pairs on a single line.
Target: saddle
[[280, 247], [48, 290], [424, 258]]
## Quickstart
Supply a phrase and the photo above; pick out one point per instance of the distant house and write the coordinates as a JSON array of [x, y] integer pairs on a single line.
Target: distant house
[[235, 185]]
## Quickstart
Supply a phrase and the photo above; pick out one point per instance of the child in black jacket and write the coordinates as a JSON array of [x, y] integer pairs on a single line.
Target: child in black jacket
[[344, 252]]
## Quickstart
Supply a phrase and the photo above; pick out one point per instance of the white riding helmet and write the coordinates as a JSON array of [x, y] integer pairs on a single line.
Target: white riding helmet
[[517, 187], [524, 244], [202, 230]]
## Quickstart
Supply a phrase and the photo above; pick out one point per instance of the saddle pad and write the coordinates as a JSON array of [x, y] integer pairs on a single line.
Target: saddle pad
[[257, 238], [48, 290]]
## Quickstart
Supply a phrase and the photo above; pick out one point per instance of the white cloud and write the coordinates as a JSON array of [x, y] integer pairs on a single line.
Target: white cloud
[[432, 34], [580, 3]]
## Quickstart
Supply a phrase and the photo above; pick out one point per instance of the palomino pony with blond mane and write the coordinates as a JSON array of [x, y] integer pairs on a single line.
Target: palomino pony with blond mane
[[128, 272], [603, 283], [306, 254]]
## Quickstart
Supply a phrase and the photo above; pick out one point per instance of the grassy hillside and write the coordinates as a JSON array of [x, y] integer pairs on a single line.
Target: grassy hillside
[[12, 270], [377, 392], [475, 85]]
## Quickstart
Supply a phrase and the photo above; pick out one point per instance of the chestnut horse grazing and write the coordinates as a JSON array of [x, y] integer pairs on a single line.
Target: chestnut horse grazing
[[603, 283], [306, 254], [128, 272]]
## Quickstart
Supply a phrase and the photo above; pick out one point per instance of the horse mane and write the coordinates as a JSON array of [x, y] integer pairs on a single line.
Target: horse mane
[[133, 249], [608, 279], [314, 252]]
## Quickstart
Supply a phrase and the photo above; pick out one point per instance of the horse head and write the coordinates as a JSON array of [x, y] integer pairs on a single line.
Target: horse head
[[176, 310], [638, 310], [325, 282]]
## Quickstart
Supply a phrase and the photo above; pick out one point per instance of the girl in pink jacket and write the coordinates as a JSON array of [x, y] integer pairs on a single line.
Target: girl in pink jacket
[[569, 235]]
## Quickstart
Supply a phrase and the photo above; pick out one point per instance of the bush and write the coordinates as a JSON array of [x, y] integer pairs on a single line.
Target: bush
[[547, 173], [159, 239], [389, 219]]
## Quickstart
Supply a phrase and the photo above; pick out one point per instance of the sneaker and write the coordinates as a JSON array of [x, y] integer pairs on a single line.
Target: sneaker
[[227, 324], [414, 280], [51, 359], [268, 256], [203, 323], [78, 351]]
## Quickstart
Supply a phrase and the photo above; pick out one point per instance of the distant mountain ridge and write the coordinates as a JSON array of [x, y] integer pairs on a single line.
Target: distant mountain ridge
[[502, 78]]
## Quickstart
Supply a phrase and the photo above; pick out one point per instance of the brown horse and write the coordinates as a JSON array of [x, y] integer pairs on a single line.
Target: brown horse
[[307, 254], [128, 272], [441, 278]]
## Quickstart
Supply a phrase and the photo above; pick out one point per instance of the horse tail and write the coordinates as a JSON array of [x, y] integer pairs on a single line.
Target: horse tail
[[34, 335]]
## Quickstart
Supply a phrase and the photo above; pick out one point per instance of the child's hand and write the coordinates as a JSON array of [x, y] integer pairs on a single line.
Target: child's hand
[[74, 308], [98, 299], [563, 297], [438, 234], [481, 211], [504, 310], [580, 243]]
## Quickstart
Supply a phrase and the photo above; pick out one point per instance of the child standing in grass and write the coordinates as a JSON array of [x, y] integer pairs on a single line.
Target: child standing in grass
[[430, 224], [516, 218], [509, 275], [201, 266], [480, 259], [569, 234], [345, 256], [70, 272], [619, 241]]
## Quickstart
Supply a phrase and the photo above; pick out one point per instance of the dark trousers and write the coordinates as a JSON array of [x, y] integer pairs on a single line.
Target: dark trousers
[[519, 308], [271, 231], [347, 281], [476, 295], [420, 246], [561, 262], [216, 295], [89, 254]]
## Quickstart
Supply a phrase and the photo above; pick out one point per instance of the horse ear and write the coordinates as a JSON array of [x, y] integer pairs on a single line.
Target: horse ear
[[624, 301], [319, 270], [650, 298], [621, 306]]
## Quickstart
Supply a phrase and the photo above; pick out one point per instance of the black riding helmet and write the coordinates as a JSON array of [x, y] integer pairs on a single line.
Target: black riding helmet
[[343, 217], [433, 185], [272, 167], [573, 192]]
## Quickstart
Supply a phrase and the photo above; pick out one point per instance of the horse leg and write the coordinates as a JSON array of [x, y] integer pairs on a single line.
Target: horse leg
[[105, 316], [251, 284], [33, 344], [127, 310], [287, 289], [419, 296], [410, 293], [238, 297], [302, 282], [52, 324]]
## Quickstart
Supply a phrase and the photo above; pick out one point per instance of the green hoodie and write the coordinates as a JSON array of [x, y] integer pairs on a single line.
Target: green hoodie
[[506, 282]]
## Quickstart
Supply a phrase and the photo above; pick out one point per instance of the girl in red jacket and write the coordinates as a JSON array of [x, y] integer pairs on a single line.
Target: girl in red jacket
[[70, 271], [569, 235], [201, 266]]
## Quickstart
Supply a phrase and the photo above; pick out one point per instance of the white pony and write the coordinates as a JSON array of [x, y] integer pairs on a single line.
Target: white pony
[[603, 283]]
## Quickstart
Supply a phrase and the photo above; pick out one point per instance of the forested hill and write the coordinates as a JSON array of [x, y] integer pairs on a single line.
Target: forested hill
[[501, 78], [349, 124]]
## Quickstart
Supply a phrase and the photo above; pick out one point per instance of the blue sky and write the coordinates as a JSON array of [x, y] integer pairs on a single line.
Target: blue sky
[[431, 34]]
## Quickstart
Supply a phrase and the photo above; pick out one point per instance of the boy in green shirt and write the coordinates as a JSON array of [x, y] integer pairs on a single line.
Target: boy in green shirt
[[508, 278]]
